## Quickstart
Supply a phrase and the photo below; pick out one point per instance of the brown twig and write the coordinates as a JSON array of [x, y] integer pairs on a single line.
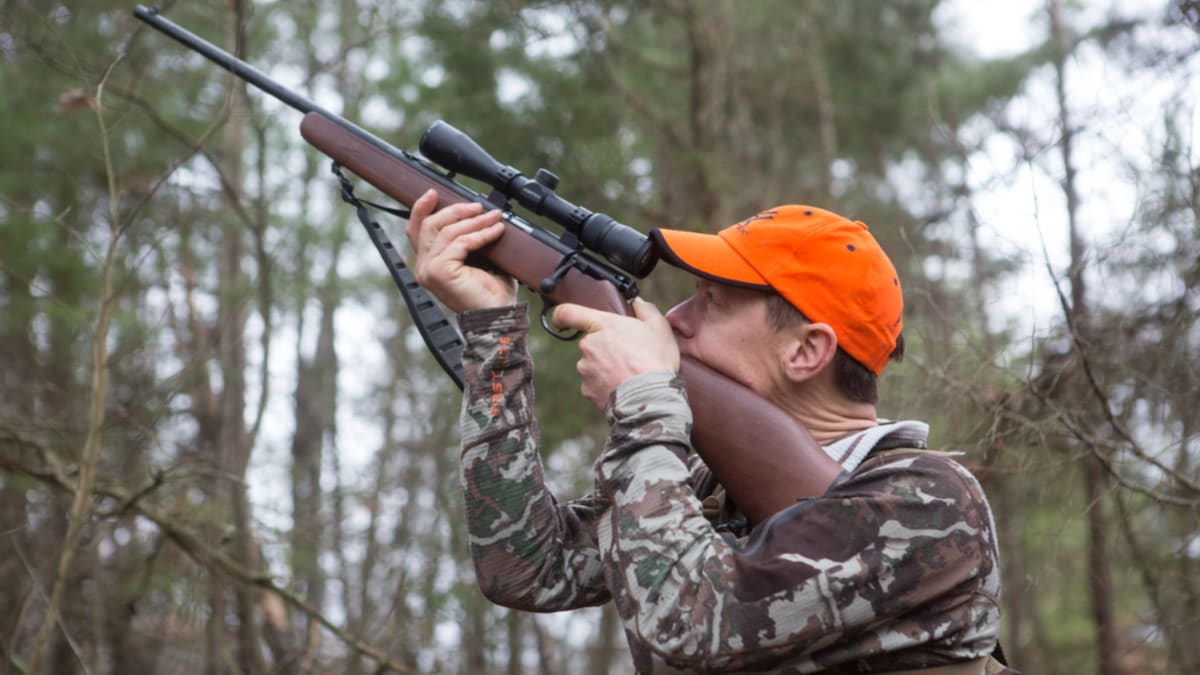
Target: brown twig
[[192, 546], [1095, 389], [99, 387]]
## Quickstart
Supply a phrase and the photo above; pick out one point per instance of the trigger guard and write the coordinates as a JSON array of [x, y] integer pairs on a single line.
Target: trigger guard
[[565, 337]]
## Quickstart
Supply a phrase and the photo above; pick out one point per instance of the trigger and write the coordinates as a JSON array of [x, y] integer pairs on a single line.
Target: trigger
[[566, 337]]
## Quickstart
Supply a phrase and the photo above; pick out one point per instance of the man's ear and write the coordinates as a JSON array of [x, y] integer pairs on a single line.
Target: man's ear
[[808, 350]]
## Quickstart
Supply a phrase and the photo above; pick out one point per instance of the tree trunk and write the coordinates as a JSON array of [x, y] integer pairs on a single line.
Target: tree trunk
[[233, 293], [813, 31], [603, 651], [474, 636], [1099, 574], [516, 641]]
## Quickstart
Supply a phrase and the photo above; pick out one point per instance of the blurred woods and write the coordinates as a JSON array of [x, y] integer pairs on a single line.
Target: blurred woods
[[224, 450]]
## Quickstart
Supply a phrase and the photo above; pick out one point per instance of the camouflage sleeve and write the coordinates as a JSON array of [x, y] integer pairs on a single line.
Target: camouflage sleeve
[[530, 552], [894, 567]]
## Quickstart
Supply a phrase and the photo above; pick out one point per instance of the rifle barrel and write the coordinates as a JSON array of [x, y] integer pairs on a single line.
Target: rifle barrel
[[228, 61], [259, 79]]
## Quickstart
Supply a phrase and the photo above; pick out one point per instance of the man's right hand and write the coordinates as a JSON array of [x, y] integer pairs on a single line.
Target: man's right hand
[[442, 242]]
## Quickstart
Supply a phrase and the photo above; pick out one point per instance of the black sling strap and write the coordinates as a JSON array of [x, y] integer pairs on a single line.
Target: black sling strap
[[439, 333]]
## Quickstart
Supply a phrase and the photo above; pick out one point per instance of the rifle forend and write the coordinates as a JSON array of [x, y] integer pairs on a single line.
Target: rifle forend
[[528, 253]]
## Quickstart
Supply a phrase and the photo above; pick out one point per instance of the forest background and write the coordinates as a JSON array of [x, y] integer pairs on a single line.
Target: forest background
[[223, 449]]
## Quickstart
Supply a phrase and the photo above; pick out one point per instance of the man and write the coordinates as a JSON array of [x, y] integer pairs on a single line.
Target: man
[[893, 568]]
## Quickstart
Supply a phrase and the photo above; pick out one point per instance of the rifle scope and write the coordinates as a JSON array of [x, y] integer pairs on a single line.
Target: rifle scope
[[621, 245]]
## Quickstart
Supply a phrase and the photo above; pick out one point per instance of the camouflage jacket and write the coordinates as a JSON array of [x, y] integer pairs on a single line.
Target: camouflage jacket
[[894, 567]]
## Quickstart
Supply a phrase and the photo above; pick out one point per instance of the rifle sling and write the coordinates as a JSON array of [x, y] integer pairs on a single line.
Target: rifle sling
[[440, 334]]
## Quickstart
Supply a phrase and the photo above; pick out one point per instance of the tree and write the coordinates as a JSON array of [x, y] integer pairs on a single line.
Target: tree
[[232, 426]]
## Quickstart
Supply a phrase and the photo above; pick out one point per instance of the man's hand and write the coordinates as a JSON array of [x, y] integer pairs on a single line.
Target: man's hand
[[442, 242], [618, 347]]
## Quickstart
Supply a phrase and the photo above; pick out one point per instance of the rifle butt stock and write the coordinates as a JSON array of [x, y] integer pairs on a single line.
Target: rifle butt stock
[[764, 457]]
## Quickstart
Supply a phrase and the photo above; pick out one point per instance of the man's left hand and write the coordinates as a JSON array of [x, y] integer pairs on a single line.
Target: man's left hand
[[618, 347]]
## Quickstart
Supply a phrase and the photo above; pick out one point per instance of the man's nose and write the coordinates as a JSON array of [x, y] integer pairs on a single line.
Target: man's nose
[[680, 318]]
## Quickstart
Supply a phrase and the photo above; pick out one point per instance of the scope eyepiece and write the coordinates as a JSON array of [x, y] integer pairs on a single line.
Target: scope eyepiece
[[621, 245]]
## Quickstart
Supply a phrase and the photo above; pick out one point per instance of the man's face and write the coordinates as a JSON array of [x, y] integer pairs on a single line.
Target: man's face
[[726, 328]]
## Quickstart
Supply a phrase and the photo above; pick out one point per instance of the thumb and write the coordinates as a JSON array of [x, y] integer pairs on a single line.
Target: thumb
[[578, 317], [646, 311]]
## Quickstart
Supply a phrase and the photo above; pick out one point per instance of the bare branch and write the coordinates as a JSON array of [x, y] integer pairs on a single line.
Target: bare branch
[[1101, 398], [194, 547], [99, 389]]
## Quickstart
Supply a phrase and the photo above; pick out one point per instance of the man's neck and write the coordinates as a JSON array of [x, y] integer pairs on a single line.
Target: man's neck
[[829, 416]]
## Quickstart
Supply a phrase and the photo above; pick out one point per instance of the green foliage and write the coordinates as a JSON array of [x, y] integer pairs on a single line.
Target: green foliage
[[673, 114]]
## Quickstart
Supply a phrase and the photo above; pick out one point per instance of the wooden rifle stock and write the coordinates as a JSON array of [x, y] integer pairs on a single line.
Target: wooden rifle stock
[[765, 458]]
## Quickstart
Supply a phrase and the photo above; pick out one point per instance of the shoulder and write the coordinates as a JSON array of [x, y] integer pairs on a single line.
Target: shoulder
[[905, 542], [896, 503], [912, 472], [930, 506]]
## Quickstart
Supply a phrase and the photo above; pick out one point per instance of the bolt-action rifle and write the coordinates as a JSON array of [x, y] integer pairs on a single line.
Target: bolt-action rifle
[[765, 459]]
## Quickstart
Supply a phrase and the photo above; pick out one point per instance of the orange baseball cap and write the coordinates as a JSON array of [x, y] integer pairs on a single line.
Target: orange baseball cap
[[830, 268]]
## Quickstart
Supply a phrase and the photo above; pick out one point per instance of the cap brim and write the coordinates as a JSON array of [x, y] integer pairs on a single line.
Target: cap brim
[[706, 255]]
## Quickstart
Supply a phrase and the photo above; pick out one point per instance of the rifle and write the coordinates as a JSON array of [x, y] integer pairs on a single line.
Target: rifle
[[763, 474]]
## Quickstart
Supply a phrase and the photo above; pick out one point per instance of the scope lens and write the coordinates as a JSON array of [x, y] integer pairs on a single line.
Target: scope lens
[[458, 152]]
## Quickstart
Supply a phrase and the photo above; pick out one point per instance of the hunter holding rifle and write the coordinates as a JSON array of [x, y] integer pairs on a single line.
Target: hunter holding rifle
[[894, 568], [850, 549]]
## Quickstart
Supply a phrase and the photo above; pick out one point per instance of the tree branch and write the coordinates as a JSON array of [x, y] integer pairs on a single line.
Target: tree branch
[[99, 389], [1095, 389], [192, 546]]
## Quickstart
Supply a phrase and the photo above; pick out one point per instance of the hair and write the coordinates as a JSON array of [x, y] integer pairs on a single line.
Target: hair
[[853, 380]]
